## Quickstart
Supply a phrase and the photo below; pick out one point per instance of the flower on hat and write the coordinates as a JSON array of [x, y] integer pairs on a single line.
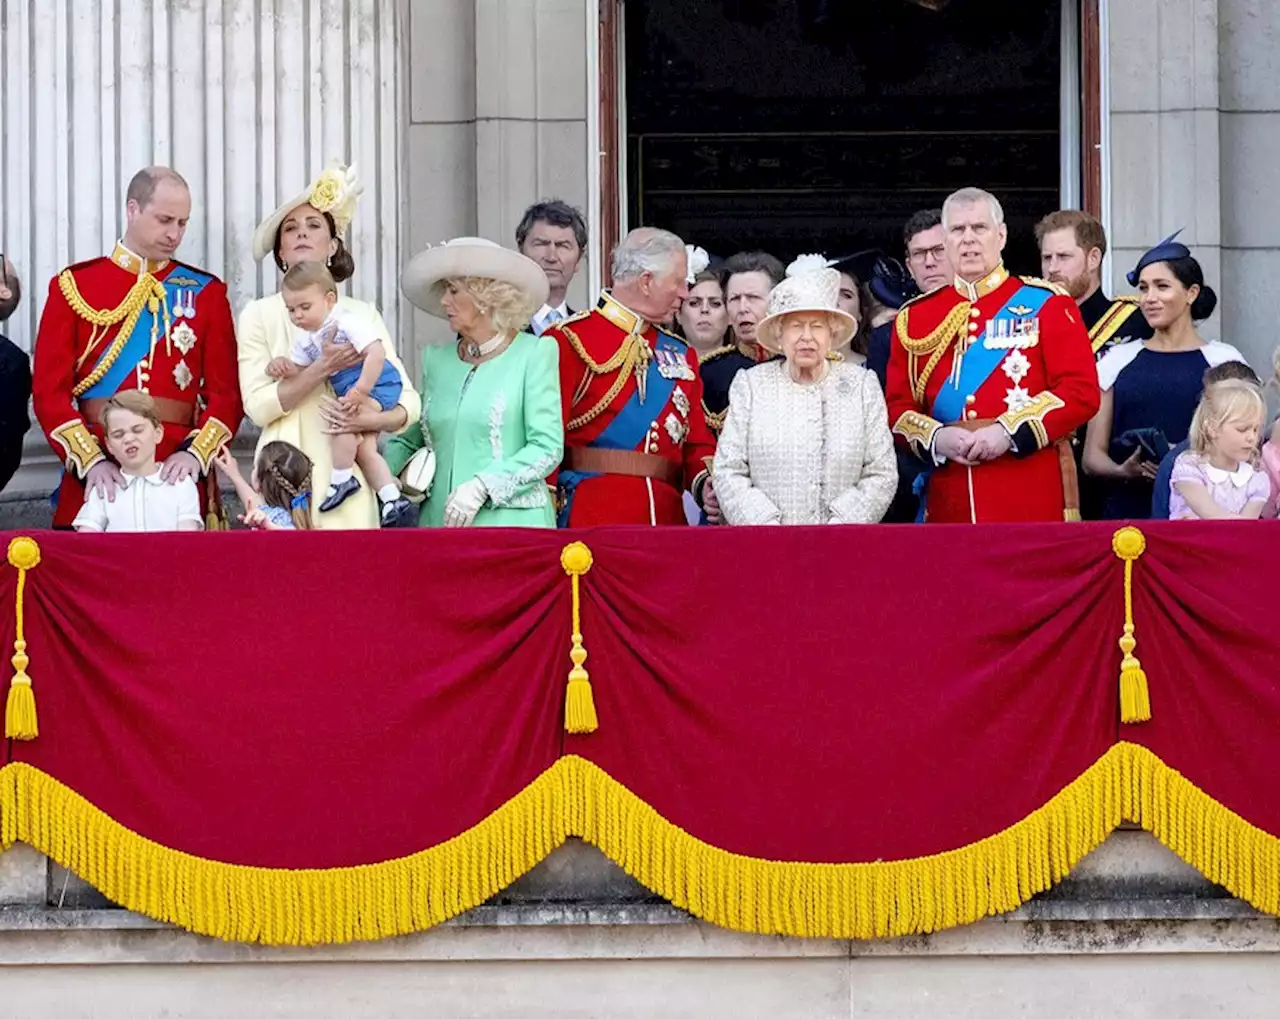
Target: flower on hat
[[327, 191], [698, 260], [335, 191], [808, 263]]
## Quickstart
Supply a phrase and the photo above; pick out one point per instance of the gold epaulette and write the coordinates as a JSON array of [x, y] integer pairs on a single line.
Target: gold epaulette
[[1044, 284], [1113, 319], [577, 316], [1127, 298], [711, 355]]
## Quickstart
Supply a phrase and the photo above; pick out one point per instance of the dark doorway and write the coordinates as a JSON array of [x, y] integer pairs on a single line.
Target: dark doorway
[[821, 125]]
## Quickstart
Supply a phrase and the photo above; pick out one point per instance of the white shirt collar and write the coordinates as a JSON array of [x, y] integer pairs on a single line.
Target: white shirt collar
[[150, 479], [1239, 477]]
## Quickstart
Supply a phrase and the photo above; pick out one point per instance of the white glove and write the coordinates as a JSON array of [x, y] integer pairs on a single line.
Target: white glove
[[464, 503]]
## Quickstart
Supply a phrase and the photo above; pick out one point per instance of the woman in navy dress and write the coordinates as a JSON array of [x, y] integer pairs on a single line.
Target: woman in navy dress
[[1152, 386]]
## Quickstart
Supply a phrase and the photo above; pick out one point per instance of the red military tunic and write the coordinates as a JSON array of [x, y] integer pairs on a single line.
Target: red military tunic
[[604, 354], [96, 338], [1043, 388]]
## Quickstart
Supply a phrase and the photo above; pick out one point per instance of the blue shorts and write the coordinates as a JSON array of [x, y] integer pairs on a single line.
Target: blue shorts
[[386, 390]]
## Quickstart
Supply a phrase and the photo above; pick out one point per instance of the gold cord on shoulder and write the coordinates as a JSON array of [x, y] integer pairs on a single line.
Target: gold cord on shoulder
[[613, 364], [634, 358], [952, 324], [148, 290]]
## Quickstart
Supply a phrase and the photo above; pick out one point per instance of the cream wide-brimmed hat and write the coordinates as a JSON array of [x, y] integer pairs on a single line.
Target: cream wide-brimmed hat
[[815, 290], [422, 281], [335, 191]]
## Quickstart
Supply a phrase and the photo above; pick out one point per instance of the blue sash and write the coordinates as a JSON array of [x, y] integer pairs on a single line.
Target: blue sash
[[629, 426], [182, 281], [1001, 335]]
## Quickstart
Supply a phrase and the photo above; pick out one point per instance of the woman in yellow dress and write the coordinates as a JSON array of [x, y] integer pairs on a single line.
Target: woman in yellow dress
[[302, 410]]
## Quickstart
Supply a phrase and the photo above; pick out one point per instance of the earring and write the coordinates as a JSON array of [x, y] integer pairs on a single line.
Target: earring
[[284, 266], [329, 261]]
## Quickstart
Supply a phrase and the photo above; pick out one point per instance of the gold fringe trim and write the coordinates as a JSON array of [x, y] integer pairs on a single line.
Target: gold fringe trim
[[276, 906], [575, 797]]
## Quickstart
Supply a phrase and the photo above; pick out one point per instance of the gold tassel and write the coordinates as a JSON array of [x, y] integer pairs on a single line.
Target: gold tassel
[[579, 705], [20, 710], [1135, 700]]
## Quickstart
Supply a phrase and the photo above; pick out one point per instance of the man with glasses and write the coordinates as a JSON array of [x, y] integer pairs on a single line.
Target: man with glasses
[[926, 254]]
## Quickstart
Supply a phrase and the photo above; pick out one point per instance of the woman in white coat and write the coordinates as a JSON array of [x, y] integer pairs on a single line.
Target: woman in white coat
[[302, 410], [806, 440]]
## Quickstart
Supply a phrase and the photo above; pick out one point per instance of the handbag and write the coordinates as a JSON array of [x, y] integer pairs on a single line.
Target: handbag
[[418, 473]]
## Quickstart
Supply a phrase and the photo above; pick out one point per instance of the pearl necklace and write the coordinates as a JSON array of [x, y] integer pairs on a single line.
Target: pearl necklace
[[473, 350]]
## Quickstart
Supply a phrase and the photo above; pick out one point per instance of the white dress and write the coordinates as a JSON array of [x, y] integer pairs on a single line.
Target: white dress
[[805, 453]]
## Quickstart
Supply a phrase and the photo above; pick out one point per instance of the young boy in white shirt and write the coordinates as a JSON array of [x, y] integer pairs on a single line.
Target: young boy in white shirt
[[132, 428]]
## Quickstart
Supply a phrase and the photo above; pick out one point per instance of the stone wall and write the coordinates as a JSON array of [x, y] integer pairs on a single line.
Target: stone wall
[[497, 120], [1133, 931], [1195, 143]]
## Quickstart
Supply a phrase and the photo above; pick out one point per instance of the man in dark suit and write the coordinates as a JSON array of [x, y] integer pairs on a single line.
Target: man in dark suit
[[15, 380], [554, 234], [1072, 247]]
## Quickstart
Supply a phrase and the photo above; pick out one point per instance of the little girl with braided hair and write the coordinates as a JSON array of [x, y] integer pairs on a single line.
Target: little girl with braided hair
[[277, 496]]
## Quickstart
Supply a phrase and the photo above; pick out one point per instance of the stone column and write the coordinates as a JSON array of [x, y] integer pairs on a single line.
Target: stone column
[[1165, 123], [497, 120], [1249, 45]]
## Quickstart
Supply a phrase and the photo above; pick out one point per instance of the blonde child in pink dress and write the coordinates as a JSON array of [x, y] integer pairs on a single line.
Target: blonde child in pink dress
[[1220, 476]]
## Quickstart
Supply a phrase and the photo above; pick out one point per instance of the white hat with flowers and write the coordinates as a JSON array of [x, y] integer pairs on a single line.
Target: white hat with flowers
[[813, 288], [336, 191]]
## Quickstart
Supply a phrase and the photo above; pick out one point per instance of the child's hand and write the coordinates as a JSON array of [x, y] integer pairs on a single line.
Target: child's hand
[[282, 368], [226, 463], [353, 399], [257, 520]]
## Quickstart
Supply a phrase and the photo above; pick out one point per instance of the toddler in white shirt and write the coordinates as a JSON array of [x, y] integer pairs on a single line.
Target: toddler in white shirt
[[133, 430], [374, 383]]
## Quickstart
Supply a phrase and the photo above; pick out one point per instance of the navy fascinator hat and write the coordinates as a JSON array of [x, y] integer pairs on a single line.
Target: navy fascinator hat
[[1168, 250]]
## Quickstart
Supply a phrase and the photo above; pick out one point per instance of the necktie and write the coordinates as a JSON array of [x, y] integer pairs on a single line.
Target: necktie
[[552, 317]]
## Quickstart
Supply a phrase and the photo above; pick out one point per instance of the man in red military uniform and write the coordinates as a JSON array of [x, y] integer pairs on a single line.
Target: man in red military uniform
[[988, 378], [137, 320], [636, 436]]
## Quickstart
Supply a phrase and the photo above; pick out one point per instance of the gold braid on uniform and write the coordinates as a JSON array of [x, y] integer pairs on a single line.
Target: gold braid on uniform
[[147, 291], [714, 421], [632, 355], [935, 344], [956, 318]]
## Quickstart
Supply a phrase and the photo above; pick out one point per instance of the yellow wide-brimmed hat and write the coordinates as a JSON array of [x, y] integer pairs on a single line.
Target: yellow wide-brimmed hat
[[423, 279], [335, 191], [815, 290]]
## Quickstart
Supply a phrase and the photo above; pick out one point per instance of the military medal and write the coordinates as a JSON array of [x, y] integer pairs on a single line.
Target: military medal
[[182, 375], [183, 336], [681, 401], [672, 365], [676, 429]]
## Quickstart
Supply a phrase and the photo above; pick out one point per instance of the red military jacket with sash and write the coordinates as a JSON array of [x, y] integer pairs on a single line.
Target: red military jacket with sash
[[118, 323], [626, 384], [1036, 377]]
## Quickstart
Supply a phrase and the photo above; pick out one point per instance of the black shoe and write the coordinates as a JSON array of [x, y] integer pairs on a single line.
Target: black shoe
[[399, 513], [339, 494]]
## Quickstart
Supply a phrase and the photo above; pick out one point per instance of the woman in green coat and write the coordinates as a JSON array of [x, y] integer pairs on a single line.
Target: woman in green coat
[[491, 402]]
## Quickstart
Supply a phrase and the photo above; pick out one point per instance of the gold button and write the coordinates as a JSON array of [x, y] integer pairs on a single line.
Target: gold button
[[973, 327], [972, 414], [973, 312], [971, 399]]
